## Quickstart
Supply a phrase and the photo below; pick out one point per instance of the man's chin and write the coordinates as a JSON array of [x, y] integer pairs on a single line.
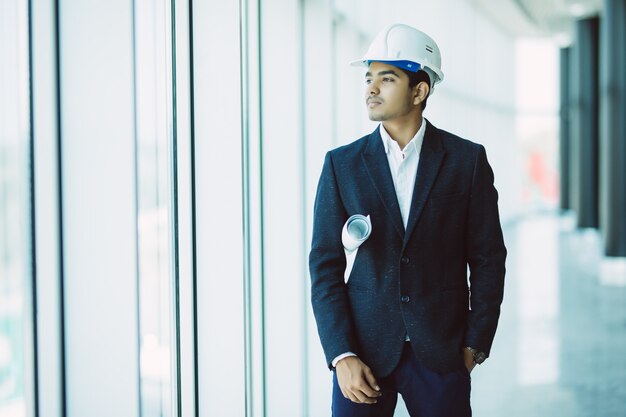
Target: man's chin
[[375, 117]]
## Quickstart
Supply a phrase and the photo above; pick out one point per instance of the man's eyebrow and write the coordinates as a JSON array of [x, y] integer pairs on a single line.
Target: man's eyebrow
[[385, 72]]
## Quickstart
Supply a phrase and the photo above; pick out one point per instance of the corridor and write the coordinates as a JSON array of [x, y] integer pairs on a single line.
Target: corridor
[[560, 350]]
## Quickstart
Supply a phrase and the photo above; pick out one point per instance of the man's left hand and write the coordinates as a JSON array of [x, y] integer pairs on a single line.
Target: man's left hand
[[468, 358]]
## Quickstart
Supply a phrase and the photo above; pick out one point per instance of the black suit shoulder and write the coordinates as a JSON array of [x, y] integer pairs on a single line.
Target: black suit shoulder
[[351, 149]]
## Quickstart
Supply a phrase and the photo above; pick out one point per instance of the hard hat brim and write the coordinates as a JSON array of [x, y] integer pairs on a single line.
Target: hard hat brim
[[364, 63], [358, 63]]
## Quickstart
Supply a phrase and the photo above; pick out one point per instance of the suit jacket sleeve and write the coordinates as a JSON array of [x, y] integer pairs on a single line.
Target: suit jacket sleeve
[[486, 257], [327, 264]]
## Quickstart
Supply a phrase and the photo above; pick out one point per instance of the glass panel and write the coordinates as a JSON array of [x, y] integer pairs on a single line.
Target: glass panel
[[155, 206], [537, 124], [219, 235], [16, 326]]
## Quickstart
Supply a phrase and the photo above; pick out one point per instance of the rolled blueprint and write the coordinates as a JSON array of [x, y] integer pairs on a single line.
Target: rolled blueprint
[[356, 231]]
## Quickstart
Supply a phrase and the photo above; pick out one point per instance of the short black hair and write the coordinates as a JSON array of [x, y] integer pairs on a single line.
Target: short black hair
[[417, 77]]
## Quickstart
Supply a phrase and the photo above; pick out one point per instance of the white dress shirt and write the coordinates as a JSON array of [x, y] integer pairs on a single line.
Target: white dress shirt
[[403, 166]]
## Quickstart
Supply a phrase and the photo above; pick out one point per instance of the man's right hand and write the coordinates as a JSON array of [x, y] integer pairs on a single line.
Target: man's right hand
[[356, 381]]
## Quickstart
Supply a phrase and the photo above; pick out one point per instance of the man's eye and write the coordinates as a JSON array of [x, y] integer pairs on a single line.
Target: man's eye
[[388, 79], [368, 81]]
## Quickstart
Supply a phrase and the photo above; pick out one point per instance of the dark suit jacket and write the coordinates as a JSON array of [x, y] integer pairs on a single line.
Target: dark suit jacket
[[415, 281]]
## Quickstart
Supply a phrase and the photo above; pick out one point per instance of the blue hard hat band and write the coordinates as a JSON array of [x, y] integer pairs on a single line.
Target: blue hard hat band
[[406, 65]]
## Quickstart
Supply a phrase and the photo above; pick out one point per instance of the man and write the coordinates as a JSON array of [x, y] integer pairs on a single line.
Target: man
[[406, 321]]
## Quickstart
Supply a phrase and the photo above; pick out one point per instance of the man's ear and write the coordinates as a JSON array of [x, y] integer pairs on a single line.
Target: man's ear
[[421, 91]]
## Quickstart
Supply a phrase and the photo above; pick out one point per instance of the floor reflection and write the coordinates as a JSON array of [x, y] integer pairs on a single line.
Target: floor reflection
[[561, 344]]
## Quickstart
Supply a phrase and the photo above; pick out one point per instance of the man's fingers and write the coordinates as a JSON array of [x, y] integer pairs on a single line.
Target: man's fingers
[[368, 391], [356, 381], [363, 391], [371, 379], [347, 394], [353, 398], [360, 393], [362, 397]]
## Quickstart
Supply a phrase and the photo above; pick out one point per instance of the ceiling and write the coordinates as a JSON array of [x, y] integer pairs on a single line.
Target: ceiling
[[552, 18]]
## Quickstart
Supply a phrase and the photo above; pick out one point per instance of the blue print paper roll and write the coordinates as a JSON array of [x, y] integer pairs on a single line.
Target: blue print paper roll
[[356, 231]]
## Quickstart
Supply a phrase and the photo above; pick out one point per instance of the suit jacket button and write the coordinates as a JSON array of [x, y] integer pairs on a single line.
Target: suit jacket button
[[405, 260], [405, 299]]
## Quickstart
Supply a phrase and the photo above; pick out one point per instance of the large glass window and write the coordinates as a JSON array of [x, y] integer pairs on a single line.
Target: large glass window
[[155, 206], [16, 325], [537, 124]]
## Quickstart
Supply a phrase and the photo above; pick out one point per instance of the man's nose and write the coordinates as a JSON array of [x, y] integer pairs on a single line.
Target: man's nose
[[372, 89]]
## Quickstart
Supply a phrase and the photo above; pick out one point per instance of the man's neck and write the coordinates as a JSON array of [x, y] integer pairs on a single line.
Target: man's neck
[[402, 131]]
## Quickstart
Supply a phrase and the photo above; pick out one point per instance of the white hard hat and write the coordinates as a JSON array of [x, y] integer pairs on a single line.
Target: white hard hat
[[405, 46]]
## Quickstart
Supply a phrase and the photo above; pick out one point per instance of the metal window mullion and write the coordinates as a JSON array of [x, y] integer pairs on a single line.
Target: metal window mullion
[[184, 211], [47, 208]]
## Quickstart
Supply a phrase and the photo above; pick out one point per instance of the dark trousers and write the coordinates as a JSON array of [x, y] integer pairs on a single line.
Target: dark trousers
[[425, 392]]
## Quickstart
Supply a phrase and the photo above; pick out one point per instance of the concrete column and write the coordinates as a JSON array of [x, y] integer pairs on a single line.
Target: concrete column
[[613, 127], [565, 129], [584, 123]]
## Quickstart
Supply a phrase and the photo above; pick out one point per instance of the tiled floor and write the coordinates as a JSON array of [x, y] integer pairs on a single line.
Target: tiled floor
[[560, 350]]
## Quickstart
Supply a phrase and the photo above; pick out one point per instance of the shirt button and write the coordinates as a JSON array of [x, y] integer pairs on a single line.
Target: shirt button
[[405, 299], [405, 260]]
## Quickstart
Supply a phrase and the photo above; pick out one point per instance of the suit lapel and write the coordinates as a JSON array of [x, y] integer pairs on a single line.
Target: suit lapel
[[431, 157], [377, 167]]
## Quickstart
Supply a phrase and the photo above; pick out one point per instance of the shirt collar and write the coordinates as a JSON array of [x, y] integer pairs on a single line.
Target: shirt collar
[[415, 142]]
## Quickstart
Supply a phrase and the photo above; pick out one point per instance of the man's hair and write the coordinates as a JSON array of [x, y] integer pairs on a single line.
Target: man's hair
[[417, 77]]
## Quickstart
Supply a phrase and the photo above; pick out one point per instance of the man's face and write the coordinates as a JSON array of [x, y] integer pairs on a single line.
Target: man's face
[[387, 92]]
